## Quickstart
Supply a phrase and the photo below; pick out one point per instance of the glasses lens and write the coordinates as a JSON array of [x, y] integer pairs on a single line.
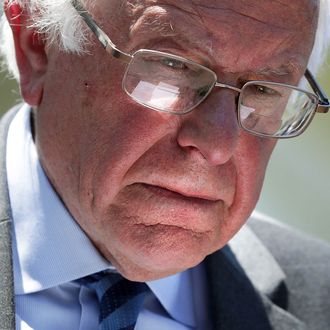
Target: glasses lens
[[167, 83], [275, 110]]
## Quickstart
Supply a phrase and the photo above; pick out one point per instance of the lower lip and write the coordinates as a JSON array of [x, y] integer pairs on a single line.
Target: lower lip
[[163, 192]]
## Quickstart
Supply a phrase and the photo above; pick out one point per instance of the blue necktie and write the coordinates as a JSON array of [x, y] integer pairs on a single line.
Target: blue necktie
[[120, 300]]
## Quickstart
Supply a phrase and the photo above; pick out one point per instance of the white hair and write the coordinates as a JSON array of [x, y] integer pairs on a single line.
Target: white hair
[[322, 38], [54, 19], [57, 20]]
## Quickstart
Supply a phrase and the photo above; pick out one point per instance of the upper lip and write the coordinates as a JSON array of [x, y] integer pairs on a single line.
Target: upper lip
[[188, 193]]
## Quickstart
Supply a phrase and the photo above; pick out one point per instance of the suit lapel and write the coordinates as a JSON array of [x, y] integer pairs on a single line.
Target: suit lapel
[[7, 307], [247, 287], [235, 305]]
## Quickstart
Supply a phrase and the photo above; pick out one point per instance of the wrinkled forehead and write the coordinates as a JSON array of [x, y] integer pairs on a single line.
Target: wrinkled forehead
[[277, 14], [272, 11], [213, 24]]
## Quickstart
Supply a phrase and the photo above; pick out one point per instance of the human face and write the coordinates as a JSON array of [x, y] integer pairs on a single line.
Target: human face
[[155, 192]]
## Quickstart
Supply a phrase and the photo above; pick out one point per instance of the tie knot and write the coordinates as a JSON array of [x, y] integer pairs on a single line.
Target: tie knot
[[120, 299]]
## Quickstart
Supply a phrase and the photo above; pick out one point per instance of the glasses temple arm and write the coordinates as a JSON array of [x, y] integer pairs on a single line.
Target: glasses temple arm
[[324, 103], [98, 32]]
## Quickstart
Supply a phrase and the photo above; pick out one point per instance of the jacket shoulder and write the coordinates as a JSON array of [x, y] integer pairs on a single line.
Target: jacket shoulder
[[289, 245], [7, 306], [305, 262]]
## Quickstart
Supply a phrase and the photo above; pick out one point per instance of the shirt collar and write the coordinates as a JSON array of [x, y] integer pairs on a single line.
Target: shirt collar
[[49, 248], [175, 294]]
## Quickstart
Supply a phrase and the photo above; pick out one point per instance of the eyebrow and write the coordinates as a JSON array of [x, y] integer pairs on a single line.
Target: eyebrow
[[291, 67], [159, 26], [281, 71]]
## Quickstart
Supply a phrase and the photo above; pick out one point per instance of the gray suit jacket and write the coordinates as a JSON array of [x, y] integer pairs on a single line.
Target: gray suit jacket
[[267, 277]]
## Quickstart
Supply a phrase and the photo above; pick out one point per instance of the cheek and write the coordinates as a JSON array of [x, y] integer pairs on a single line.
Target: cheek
[[254, 160], [89, 132], [251, 162], [117, 143]]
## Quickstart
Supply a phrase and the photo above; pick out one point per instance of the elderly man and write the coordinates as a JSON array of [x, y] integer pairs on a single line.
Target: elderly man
[[140, 152]]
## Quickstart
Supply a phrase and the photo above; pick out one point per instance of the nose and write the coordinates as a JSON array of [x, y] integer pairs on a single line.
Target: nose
[[212, 128]]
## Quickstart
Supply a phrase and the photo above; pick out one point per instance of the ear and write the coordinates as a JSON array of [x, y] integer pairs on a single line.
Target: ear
[[30, 53]]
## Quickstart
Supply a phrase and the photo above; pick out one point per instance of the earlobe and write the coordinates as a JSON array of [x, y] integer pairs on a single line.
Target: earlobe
[[31, 57]]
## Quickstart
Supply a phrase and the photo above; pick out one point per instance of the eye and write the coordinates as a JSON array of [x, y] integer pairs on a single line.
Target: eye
[[174, 64], [263, 90]]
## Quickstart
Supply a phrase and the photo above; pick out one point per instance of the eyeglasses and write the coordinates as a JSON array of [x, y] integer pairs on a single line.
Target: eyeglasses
[[173, 84]]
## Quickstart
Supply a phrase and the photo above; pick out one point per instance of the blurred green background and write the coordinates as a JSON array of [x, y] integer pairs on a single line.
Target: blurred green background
[[297, 185]]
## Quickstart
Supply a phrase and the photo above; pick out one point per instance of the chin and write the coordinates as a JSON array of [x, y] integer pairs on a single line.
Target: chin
[[152, 252]]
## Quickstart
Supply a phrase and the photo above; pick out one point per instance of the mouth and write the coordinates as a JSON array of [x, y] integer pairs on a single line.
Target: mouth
[[157, 206], [173, 193]]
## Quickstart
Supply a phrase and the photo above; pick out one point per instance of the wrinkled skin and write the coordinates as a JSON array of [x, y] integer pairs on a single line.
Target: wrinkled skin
[[157, 193]]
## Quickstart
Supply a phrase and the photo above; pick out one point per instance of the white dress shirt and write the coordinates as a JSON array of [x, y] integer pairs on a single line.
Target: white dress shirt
[[50, 252]]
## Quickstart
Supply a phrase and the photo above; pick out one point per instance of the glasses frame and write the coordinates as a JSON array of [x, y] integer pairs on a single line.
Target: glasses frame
[[305, 124], [320, 96]]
